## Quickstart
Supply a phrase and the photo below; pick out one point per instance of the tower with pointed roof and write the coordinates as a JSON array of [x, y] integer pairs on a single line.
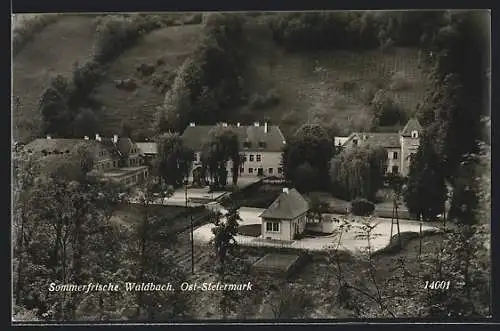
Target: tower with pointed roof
[[409, 139]]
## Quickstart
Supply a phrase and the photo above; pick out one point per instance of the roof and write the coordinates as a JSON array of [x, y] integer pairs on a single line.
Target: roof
[[195, 136], [377, 139], [147, 148], [412, 125], [340, 140], [61, 145], [287, 206]]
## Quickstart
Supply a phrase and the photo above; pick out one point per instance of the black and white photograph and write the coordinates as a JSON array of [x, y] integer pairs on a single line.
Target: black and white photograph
[[249, 166]]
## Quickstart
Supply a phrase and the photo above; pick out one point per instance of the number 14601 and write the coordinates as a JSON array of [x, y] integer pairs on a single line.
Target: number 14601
[[437, 285]]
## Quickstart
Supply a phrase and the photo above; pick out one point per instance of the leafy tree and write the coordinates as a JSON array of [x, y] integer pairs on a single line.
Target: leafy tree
[[359, 172], [221, 147], [386, 112], [125, 130], [305, 177], [54, 108], [174, 159], [86, 123], [311, 145], [425, 192]]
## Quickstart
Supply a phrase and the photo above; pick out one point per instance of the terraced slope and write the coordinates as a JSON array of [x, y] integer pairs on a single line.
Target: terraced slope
[[329, 86], [170, 45], [53, 51]]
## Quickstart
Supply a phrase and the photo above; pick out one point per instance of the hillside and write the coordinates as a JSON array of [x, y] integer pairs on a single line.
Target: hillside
[[52, 51], [328, 86], [332, 87], [164, 49]]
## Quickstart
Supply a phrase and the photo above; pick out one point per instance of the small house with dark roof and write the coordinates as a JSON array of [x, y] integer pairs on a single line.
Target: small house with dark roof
[[400, 145], [261, 145], [286, 217]]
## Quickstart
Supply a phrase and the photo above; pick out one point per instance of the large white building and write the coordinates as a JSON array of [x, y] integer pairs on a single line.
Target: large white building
[[261, 145], [399, 145]]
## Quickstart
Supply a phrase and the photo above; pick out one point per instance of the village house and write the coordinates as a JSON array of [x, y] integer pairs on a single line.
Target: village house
[[286, 217], [400, 145], [115, 159], [261, 146]]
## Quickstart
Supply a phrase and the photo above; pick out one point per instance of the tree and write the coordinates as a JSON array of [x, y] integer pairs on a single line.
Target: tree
[[359, 172], [425, 192], [86, 123], [125, 130], [54, 108], [305, 178], [174, 159], [221, 147], [153, 239], [311, 145]]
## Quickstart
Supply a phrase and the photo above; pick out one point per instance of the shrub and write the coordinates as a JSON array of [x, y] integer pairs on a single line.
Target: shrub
[[258, 101], [362, 207], [385, 110], [399, 82]]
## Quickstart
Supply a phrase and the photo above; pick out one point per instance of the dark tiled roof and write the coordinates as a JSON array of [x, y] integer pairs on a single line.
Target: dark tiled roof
[[287, 206], [376, 139], [195, 136], [412, 125]]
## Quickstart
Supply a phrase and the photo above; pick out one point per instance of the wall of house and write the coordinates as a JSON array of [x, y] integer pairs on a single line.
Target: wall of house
[[408, 146], [103, 159], [133, 178], [393, 159], [270, 162], [283, 234]]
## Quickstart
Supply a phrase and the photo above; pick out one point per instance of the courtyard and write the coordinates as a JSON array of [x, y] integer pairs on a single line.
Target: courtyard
[[351, 239]]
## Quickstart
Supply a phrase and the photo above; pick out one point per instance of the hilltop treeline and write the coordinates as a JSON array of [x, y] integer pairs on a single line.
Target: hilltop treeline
[[353, 30], [209, 82]]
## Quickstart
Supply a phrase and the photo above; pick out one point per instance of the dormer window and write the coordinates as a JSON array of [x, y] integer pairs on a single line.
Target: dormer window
[[247, 144], [355, 142], [262, 144], [414, 134]]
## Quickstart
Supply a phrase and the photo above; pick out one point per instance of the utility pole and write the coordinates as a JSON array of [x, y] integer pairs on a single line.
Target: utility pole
[[190, 225]]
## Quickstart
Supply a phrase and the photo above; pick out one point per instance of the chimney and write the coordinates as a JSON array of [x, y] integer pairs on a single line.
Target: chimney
[[238, 124], [265, 127], [115, 138], [256, 124], [86, 137], [192, 124], [49, 137], [224, 124], [285, 190], [97, 137]]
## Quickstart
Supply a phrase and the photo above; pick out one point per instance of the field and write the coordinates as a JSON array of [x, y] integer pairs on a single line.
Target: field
[[53, 51], [328, 86], [165, 49]]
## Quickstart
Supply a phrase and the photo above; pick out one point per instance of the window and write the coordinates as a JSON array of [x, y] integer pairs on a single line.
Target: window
[[280, 170], [250, 170], [355, 142], [262, 144], [270, 170], [395, 155], [251, 157], [247, 144], [258, 157], [395, 169], [241, 170], [272, 227], [414, 134]]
